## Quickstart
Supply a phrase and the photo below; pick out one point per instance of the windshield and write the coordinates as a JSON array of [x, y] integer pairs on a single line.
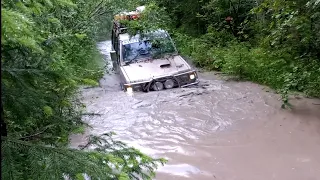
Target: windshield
[[155, 47]]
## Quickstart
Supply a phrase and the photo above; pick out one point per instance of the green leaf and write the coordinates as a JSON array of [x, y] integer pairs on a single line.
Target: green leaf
[[48, 111], [80, 177], [90, 82], [80, 130], [80, 36]]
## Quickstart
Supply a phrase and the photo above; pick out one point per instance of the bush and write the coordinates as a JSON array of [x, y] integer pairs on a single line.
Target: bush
[[277, 69]]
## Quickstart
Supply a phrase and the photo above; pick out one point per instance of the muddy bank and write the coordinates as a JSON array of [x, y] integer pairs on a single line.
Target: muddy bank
[[218, 130]]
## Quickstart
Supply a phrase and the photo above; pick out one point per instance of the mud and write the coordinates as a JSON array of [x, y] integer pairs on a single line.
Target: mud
[[222, 130]]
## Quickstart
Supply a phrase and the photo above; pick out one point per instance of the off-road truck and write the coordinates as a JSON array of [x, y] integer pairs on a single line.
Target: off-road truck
[[149, 61]]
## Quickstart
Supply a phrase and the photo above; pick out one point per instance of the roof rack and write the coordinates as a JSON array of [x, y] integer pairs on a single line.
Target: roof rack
[[133, 15], [119, 28]]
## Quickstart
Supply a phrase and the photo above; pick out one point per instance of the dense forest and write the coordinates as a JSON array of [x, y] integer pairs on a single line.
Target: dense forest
[[48, 51], [272, 42]]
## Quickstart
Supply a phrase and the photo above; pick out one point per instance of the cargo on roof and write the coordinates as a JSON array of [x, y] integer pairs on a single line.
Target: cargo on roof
[[133, 15], [129, 15]]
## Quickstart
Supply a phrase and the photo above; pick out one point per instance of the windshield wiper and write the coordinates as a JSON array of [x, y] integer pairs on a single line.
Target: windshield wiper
[[138, 54], [130, 61]]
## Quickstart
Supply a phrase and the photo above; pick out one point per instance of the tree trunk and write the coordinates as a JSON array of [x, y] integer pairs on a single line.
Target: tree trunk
[[3, 124]]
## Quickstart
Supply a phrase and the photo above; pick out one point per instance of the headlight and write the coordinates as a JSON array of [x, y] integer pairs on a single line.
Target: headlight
[[192, 76], [157, 86], [168, 84], [129, 89]]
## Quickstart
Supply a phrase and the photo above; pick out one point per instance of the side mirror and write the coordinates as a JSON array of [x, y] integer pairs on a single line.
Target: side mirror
[[114, 60], [113, 56]]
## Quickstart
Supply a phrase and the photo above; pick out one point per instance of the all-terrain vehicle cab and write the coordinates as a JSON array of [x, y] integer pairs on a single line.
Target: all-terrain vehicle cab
[[148, 62]]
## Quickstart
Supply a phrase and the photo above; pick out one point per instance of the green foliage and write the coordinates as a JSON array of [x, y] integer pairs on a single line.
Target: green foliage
[[44, 60], [162, 46], [273, 68], [151, 19], [194, 17], [186, 15], [18, 29], [101, 158], [293, 25]]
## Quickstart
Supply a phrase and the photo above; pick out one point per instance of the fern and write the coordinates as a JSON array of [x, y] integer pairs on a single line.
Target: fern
[[104, 158]]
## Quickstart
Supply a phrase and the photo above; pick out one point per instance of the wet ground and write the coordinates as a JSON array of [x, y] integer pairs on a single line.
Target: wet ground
[[222, 130]]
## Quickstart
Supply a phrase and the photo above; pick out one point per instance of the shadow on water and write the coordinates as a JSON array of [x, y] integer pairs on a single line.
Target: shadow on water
[[218, 130]]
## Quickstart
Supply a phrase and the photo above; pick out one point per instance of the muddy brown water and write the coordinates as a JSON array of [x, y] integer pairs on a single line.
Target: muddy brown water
[[222, 130]]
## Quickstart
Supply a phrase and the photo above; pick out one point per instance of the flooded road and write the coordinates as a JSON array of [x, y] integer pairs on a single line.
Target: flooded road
[[220, 130]]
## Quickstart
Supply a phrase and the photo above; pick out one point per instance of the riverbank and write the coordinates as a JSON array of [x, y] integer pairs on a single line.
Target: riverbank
[[276, 69]]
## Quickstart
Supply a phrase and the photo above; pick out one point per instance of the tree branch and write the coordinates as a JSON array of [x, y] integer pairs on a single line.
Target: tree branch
[[95, 8], [91, 114], [36, 134]]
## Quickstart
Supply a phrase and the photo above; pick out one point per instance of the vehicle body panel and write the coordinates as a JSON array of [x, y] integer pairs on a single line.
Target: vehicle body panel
[[147, 70]]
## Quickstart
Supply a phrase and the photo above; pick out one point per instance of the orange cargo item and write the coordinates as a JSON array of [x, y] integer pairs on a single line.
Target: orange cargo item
[[133, 15], [121, 17]]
